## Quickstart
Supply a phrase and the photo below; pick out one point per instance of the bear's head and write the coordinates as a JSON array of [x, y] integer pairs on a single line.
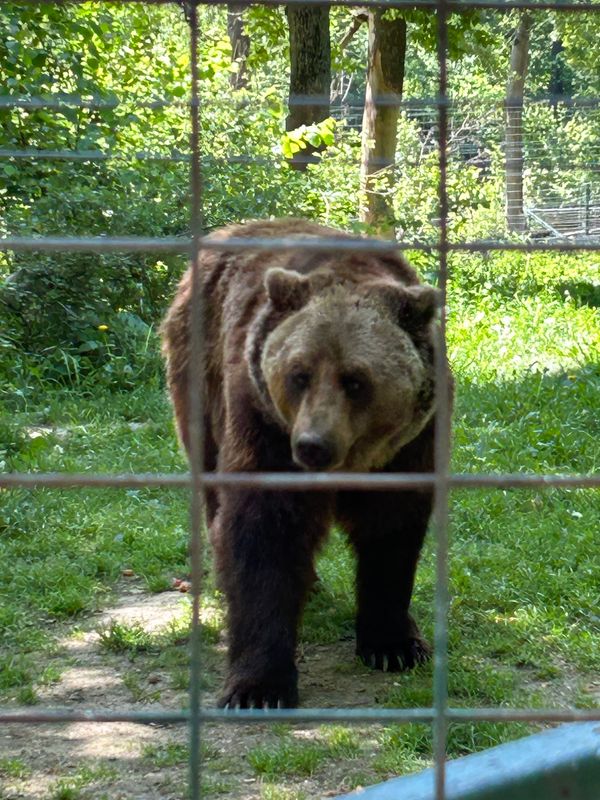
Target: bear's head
[[349, 369]]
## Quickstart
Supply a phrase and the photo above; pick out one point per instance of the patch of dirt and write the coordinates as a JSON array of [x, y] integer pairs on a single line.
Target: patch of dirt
[[127, 761], [562, 693]]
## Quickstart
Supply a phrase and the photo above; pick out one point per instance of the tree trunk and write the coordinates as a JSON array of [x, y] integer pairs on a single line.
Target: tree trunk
[[558, 85], [310, 69], [240, 45], [385, 78], [519, 57]]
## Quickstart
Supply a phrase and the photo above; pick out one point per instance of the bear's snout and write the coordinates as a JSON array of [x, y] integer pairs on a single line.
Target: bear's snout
[[313, 451]]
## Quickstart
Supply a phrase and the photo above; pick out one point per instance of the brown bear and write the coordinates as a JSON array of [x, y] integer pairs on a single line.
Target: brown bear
[[313, 361]]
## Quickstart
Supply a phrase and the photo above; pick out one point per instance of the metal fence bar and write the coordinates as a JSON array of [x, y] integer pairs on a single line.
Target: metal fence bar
[[66, 103], [33, 154], [294, 481], [441, 512], [99, 155], [181, 158], [181, 244], [308, 715], [97, 244], [196, 421], [454, 6]]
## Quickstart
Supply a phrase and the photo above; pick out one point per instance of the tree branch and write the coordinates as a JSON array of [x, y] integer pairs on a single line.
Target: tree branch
[[357, 21]]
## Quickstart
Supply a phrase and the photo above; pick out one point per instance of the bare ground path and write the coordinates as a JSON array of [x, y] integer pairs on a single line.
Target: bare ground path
[[127, 761]]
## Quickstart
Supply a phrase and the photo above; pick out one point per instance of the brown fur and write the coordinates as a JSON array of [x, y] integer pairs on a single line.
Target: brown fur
[[313, 361]]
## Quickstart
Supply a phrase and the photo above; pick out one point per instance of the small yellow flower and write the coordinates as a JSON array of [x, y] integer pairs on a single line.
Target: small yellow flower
[[102, 327]]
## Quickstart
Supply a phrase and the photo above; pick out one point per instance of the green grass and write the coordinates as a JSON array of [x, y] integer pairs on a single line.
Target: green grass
[[122, 638], [298, 759], [162, 650], [524, 342], [168, 755], [289, 756], [138, 686], [271, 791], [13, 768], [71, 788], [63, 550]]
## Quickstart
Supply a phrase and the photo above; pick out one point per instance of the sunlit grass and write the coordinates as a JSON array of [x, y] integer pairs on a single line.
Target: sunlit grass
[[289, 756]]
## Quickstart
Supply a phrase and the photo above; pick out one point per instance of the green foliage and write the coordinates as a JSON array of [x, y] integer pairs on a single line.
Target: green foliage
[[267, 28], [580, 39], [51, 304], [575, 132], [321, 134], [466, 30]]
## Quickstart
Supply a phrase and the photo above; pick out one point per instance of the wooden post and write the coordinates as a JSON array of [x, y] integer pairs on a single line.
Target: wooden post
[[240, 45], [385, 78], [519, 57], [588, 197]]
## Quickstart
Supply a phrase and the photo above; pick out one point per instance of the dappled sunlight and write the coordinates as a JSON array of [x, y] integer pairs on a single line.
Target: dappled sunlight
[[521, 618], [153, 612], [89, 682]]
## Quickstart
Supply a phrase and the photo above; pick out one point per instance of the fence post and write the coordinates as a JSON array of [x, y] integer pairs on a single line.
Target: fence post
[[587, 209]]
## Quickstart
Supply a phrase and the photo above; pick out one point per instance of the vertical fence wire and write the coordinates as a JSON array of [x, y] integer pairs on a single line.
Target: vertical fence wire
[[442, 430], [195, 369]]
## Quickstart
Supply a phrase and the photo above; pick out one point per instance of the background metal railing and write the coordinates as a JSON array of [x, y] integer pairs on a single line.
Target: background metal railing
[[197, 480]]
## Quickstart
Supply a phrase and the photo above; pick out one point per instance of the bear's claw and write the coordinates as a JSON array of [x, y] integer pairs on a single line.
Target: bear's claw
[[396, 657], [258, 697]]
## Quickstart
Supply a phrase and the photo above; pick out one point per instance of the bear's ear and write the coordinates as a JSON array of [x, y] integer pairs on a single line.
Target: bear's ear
[[413, 307], [287, 290]]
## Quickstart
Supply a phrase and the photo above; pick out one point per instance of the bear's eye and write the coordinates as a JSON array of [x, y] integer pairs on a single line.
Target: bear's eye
[[300, 380], [355, 386]]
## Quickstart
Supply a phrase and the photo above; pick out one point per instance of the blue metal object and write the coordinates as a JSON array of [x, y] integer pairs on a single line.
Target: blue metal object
[[559, 764]]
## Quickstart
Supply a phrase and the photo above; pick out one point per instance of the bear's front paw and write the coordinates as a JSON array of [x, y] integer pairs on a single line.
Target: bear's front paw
[[275, 691], [395, 656]]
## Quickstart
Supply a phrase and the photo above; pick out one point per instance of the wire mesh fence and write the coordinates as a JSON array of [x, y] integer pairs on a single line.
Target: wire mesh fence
[[443, 481]]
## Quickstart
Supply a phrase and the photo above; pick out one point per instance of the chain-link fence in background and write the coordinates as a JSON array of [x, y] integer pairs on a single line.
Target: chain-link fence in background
[[440, 715]]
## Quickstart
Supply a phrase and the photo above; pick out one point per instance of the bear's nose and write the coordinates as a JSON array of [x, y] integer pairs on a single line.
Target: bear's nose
[[313, 451]]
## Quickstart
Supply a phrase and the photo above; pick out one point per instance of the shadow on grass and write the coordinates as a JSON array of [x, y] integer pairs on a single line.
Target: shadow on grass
[[582, 292]]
